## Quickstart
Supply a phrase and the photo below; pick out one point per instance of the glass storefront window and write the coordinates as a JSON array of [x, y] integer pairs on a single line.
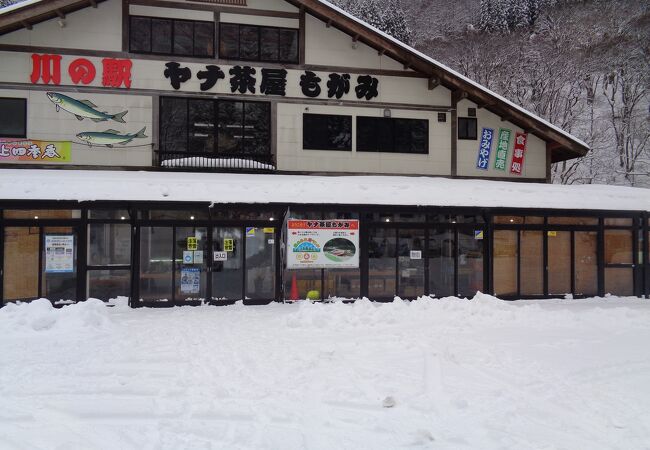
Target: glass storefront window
[[109, 244], [260, 263], [156, 266], [60, 274], [342, 283], [470, 264], [109, 284], [228, 275], [618, 247], [21, 276], [559, 262], [619, 222], [109, 214], [532, 262], [389, 217], [586, 263], [505, 254], [410, 255], [382, 263], [190, 268], [303, 284], [573, 221], [441, 254], [234, 214], [619, 281], [508, 220], [184, 215], [42, 214]]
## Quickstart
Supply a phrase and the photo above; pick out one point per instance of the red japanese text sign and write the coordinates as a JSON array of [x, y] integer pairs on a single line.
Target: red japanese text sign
[[517, 165], [46, 69]]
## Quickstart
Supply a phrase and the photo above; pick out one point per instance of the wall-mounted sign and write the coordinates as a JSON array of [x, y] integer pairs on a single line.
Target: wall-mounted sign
[[503, 145], [46, 69], [517, 165], [198, 257], [220, 256], [416, 254], [322, 244], [188, 257], [190, 280], [30, 151], [59, 254], [483, 161]]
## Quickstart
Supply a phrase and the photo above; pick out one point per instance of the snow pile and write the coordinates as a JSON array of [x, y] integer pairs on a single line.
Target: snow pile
[[434, 373], [40, 315], [217, 163]]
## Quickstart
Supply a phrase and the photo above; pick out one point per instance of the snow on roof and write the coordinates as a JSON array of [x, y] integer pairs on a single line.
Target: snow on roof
[[454, 73], [82, 185]]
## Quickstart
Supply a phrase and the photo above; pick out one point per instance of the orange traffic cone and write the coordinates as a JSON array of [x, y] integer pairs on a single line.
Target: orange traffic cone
[[293, 296]]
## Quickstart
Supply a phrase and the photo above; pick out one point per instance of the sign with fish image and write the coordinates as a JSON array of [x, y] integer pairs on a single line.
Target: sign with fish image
[[85, 109]]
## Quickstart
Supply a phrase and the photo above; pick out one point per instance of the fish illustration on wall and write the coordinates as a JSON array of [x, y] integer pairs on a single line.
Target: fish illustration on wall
[[83, 109], [110, 138]]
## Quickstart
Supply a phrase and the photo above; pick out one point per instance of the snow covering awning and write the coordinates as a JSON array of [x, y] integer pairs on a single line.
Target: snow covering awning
[[222, 188]]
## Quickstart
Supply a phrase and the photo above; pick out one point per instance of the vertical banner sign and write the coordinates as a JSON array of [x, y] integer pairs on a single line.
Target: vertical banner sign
[[59, 254], [322, 244], [517, 166], [505, 136], [483, 161]]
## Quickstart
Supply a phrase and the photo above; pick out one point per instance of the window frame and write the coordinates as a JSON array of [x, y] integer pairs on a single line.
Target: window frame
[[391, 123], [217, 101], [468, 137], [348, 147], [173, 35], [259, 43], [22, 135]]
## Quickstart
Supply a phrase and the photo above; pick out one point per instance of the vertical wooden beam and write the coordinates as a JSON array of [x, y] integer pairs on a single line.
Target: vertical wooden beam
[[549, 154], [302, 32], [454, 135], [274, 132], [125, 25]]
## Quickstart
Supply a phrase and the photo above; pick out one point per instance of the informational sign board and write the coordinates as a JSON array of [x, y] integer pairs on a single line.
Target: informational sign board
[[188, 257], [192, 243], [228, 245], [198, 257], [483, 161], [517, 165], [416, 254], [220, 256], [190, 280], [322, 244], [59, 254], [36, 152]]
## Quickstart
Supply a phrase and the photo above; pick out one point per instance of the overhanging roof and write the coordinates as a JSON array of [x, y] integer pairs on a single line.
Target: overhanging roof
[[563, 145]]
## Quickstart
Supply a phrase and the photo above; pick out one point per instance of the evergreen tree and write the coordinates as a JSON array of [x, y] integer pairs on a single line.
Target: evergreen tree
[[385, 15]]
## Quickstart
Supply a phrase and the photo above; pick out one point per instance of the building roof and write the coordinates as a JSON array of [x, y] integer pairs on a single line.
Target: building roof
[[98, 185], [562, 145]]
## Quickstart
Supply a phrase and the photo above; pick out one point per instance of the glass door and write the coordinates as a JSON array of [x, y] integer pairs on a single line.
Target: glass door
[[21, 263], [410, 256], [227, 260], [260, 263], [190, 264]]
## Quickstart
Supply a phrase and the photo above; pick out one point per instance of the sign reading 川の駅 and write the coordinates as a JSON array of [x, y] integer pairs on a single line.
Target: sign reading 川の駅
[[322, 244]]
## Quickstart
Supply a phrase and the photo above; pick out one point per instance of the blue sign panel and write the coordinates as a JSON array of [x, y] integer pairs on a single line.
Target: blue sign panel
[[483, 161]]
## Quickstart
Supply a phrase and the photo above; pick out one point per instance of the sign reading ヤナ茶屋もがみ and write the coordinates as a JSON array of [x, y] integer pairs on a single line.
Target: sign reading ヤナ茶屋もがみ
[[322, 244]]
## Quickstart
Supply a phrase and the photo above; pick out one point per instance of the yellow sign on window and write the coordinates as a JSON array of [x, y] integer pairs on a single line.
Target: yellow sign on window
[[269, 230], [228, 245], [192, 244], [552, 234]]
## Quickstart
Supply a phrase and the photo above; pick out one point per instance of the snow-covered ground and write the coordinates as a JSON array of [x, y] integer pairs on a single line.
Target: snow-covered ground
[[480, 374]]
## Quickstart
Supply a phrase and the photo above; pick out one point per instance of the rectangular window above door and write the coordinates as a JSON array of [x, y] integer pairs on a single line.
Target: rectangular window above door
[[161, 36], [258, 43]]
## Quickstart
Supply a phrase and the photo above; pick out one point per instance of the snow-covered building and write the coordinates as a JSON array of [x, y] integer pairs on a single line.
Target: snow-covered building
[[179, 152]]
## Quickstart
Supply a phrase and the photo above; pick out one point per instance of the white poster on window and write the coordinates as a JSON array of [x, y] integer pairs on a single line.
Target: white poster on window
[[59, 254], [322, 244]]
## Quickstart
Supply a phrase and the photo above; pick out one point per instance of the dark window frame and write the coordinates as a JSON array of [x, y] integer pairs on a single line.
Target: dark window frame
[[216, 101], [390, 124], [463, 131], [22, 135], [259, 43], [173, 32], [348, 148]]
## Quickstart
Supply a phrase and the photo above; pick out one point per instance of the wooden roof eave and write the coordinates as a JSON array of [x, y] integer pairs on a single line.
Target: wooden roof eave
[[32, 14]]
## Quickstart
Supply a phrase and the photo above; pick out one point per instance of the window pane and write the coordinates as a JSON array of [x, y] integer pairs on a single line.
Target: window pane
[[228, 276], [20, 280], [505, 262], [183, 38], [618, 247], [323, 132], [260, 264], [161, 36], [467, 128], [13, 117], [573, 221], [156, 267], [109, 244], [419, 136], [619, 222], [201, 126], [203, 39], [59, 283], [249, 44], [231, 118], [186, 271], [173, 123], [342, 283], [442, 250], [586, 263], [289, 46], [382, 263], [374, 134], [559, 262], [42, 214], [470, 264], [229, 45], [532, 263], [257, 128], [269, 38], [140, 34], [109, 214], [109, 284], [411, 265], [302, 284], [619, 281]]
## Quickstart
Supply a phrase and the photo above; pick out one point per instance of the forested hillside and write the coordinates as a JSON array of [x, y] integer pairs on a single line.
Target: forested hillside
[[584, 65]]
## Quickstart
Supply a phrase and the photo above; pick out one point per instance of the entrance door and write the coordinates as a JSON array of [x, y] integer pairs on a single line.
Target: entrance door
[[260, 263], [227, 264], [191, 264]]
